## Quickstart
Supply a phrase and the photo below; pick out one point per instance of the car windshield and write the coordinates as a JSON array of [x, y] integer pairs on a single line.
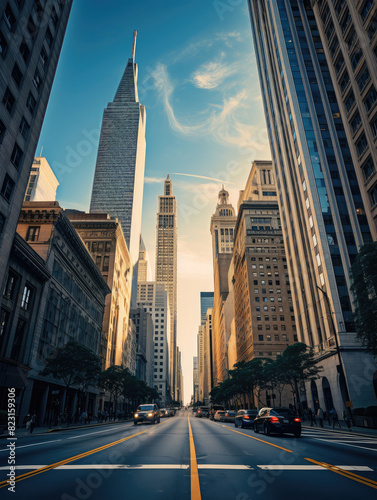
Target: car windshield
[[220, 412], [252, 412], [145, 408], [282, 411], [231, 413]]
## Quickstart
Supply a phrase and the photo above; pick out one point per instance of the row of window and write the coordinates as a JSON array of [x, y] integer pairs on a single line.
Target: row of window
[[276, 338]]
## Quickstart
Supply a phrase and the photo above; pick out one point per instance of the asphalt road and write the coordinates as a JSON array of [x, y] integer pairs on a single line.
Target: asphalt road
[[190, 458]]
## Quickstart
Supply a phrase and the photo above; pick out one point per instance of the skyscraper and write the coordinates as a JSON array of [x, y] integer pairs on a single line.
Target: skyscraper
[[42, 183], [322, 212], [206, 302], [31, 38], [143, 263], [166, 267], [119, 174], [348, 32]]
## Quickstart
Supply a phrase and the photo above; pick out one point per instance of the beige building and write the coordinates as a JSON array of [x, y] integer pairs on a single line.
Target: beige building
[[42, 183], [143, 263], [104, 239], [263, 309], [166, 268], [222, 230], [348, 31], [195, 368]]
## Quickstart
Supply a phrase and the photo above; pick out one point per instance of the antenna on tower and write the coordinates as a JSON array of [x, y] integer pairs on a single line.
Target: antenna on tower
[[134, 45]]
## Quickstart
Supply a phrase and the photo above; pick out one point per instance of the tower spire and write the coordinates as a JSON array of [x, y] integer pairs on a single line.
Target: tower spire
[[134, 46]]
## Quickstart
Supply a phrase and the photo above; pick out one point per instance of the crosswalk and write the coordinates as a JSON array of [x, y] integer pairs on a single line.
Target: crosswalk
[[342, 438]]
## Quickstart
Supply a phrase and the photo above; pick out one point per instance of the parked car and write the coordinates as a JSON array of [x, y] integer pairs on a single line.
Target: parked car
[[245, 418], [218, 415], [277, 420], [228, 416], [164, 412], [147, 413], [203, 412]]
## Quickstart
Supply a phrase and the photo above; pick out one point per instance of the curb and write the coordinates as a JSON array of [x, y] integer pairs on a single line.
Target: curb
[[343, 432]]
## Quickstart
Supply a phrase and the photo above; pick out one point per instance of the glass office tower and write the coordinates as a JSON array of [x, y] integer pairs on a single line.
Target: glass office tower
[[322, 211]]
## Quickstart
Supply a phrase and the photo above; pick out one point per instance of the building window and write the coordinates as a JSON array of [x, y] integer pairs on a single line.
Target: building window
[[2, 131], [361, 145], [3, 45], [7, 187], [4, 318], [106, 261], [49, 38], [26, 297], [43, 57], [356, 122], [17, 74], [16, 156], [33, 233], [2, 223], [260, 338], [98, 262], [370, 99], [8, 100], [9, 18], [10, 286], [268, 338], [24, 51], [37, 80], [31, 103], [24, 128]]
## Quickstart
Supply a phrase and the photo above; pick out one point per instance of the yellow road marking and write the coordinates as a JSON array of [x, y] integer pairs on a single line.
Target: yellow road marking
[[256, 439], [195, 486], [342, 472], [71, 459]]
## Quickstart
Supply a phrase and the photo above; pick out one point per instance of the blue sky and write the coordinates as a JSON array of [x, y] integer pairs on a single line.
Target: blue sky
[[199, 83]]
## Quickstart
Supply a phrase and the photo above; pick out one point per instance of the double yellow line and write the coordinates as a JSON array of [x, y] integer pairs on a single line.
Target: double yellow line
[[195, 485]]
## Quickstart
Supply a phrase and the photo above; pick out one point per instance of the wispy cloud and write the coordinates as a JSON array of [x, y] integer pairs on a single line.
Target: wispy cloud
[[204, 177], [153, 180], [213, 73], [195, 48]]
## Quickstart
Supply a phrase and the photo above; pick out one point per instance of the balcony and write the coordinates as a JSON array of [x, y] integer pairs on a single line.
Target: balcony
[[328, 346]]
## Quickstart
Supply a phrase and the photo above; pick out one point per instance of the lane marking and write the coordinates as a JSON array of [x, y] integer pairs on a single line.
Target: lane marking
[[195, 485], [72, 459], [352, 445], [90, 433], [349, 475], [256, 439], [35, 444], [358, 468]]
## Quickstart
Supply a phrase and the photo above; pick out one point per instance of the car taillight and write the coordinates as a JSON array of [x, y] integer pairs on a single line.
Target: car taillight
[[297, 419], [246, 417], [274, 419]]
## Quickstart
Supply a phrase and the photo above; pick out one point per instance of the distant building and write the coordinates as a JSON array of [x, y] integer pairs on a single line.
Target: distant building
[[153, 298], [104, 240], [222, 230], [143, 263], [166, 267], [42, 183], [263, 310], [29, 52], [71, 308], [119, 175], [195, 379], [206, 302], [145, 344]]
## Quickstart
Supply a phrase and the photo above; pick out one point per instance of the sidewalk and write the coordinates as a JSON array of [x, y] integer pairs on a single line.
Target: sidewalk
[[23, 432], [359, 431]]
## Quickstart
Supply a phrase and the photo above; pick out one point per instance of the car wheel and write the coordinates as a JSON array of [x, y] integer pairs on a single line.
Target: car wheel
[[267, 430], [297, 434], [256, 429]]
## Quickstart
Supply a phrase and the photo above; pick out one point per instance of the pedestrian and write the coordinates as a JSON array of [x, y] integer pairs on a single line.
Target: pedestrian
[[83, 418], [335, 419], [347, 419], [32, 422], [312, 418], [320, 416]]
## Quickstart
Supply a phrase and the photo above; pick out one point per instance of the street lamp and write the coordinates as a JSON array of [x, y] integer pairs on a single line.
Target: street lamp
[[341, 369]]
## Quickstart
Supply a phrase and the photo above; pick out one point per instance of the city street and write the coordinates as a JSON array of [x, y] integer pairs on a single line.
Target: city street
[[186, 457]]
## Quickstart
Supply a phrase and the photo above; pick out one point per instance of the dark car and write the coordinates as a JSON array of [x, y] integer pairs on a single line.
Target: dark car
[[245, 418], [203, 412], [147, 413], [277, 420]]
